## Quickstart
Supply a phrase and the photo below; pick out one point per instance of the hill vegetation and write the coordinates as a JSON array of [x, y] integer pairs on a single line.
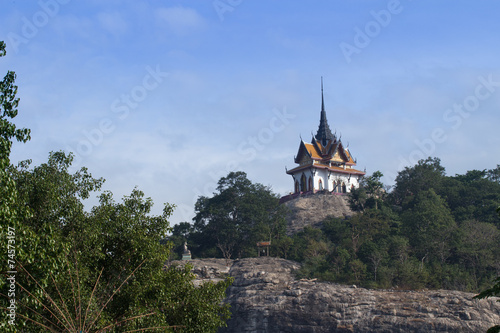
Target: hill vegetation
[[430, 231]]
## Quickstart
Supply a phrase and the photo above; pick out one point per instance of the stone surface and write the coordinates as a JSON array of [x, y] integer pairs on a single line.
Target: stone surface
[[312, 209], [265, 297]]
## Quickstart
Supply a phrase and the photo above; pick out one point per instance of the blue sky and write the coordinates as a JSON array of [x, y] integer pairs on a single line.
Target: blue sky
[[169, 96]]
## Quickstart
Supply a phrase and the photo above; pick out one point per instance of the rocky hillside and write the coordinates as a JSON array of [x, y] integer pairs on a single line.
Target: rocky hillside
[[312, 209], [265, 297]]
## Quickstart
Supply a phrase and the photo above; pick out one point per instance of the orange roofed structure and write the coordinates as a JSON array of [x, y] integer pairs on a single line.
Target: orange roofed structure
[[324, 164]]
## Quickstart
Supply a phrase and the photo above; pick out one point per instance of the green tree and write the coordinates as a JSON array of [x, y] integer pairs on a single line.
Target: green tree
[[9, 212], [357, 198], [472, 196], [369, 194], [358, 269], [53, 197], [282, 246], [366, 227], [239, 214], [374, 253], [337, 230], [12, 211], [494, 174], [374, 187], [119, 238], [98, 269], [8, 130], [314, 249], [340, 259], [426, 174], [478, 249], [193, 309], [399, 248], [429, 226]]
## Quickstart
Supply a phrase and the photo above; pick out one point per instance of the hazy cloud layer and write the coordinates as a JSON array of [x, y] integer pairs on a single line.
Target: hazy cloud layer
[[172, 96]]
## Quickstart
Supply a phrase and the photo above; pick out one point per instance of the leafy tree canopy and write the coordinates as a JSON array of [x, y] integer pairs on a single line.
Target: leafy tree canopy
[[424, 175], [239, 215]]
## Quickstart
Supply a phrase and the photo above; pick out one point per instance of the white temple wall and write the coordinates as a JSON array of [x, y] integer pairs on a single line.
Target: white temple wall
[[330, 181], [304, 179]]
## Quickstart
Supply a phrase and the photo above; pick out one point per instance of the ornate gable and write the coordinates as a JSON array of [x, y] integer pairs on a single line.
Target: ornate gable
[[341, 153], [304, 154]]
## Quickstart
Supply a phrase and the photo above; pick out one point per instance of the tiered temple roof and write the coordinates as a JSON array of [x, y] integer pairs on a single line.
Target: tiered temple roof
[[325, 151]]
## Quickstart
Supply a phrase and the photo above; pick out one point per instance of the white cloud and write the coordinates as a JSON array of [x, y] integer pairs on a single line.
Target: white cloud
[[71, 26], [112, 22], [180, 20]]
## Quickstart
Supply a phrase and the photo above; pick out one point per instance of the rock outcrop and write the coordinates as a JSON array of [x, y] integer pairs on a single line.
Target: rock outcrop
[[312, 209], [265, 297]]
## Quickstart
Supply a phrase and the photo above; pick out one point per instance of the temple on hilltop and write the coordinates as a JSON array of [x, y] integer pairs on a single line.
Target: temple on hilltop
[[324, 164]]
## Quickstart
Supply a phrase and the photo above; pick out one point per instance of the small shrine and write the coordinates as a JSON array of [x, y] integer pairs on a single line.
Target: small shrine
[[263, 247], [325, 164], [186, 255]]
